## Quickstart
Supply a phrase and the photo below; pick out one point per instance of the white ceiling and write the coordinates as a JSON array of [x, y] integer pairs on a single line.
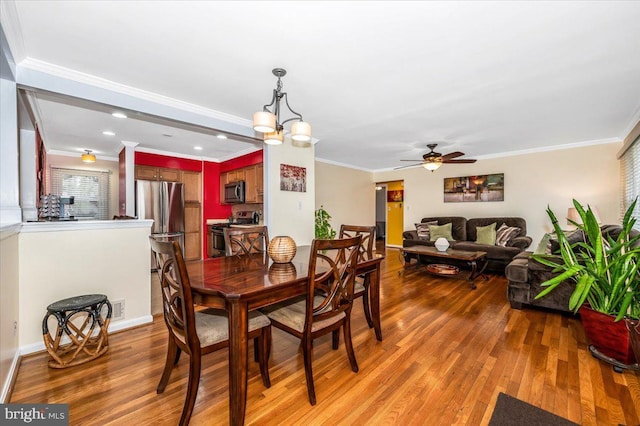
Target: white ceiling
[[376, 80]]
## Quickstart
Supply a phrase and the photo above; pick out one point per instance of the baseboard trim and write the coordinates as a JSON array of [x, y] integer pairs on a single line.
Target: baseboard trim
[[113, 327], [11, 378]]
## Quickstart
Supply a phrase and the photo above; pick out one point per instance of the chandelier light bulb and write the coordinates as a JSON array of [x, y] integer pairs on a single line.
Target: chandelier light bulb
[[301, 131], [273, 138], [264, 121]]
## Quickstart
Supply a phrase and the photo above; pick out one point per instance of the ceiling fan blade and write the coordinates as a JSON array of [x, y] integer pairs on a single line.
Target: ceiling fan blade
[[452, 155], [405, 167], [459, 161]]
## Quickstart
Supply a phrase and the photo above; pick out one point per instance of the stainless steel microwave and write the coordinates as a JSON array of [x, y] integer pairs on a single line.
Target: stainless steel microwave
[[234, 192]]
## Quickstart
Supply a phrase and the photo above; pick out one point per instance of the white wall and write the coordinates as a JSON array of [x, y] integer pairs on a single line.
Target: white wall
[[287, 212], [60, 260], [589, 174], [9, 280], [75, 162], [348, 195]]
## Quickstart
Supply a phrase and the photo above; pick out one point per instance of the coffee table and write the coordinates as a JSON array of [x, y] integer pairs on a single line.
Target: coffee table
[[427, 255]]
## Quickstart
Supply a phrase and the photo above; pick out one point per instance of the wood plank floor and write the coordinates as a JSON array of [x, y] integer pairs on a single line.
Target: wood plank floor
[[447, 353]]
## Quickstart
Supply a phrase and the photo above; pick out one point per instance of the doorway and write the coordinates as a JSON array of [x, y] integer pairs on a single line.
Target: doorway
[[390, 212]]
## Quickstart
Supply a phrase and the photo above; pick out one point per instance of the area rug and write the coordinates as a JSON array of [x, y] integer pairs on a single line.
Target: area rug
[[510, 411]]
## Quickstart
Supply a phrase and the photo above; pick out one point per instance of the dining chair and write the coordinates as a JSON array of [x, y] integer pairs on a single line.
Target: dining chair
[[365, 252], [326, 307], [246, 240], [197, 332]]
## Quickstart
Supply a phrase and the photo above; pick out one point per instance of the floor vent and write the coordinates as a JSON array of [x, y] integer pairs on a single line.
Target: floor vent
[[118, 310]]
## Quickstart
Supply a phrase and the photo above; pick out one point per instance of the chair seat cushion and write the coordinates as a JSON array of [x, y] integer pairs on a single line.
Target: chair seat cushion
[[212, 325], [292, 314], [359, 287]]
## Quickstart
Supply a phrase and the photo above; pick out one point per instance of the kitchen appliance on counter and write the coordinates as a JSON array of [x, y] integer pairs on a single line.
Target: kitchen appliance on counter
[[162, 202], [234, 192], [216, 246]]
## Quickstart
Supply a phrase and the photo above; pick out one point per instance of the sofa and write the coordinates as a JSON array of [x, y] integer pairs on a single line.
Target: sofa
[[464, 234], [525, 275]]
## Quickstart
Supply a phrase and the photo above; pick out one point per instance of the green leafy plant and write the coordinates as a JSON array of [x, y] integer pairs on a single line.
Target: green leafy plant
[[605, 270], [324, 230]]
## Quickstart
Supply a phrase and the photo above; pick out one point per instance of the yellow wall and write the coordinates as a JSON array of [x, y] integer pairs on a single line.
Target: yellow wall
[[395, 216]]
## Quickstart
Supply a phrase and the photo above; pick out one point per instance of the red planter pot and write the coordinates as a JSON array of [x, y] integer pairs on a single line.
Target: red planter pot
[[609, 338], [634, 334]]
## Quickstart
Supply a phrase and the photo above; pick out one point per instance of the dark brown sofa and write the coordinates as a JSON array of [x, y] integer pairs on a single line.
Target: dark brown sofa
[[525, 276], [463, 232]]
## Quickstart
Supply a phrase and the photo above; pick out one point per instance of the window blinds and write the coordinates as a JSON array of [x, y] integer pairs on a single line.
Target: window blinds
[[90, 189], [630, 167]]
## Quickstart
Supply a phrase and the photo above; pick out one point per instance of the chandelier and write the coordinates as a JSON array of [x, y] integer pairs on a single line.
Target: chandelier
[[268, 121]]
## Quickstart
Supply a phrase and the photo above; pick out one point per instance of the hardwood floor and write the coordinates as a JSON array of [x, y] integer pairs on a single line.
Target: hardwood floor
[[447, 353]]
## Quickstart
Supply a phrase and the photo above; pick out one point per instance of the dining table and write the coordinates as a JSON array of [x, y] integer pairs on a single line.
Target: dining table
[[240, 284]]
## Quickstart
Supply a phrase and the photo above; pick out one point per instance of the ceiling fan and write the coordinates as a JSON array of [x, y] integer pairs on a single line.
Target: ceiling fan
[[433, 160]]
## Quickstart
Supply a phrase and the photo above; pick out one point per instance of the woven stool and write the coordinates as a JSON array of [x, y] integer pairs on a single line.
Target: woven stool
[[88, 341]]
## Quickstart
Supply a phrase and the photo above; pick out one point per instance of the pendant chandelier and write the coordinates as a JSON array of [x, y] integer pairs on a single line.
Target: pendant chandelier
[[268, 121]]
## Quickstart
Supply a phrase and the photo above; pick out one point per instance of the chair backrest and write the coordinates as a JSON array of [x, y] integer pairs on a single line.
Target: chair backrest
[[177, 301], [332, 267], [245, 241], [368, 234]]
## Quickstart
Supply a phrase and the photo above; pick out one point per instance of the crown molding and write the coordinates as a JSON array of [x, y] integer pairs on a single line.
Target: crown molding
[[102, 83], [549, 148], [197, 157], [12, 30], [77, 154]]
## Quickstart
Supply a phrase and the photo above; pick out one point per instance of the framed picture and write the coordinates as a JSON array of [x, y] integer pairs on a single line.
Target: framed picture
[[293, 178], [479, 188], [395, 196]]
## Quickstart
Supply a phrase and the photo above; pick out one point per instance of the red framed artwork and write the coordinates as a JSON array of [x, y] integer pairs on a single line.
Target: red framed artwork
[[395, 196]]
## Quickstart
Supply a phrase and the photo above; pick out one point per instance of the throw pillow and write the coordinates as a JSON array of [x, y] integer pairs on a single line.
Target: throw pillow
[[572, 237], [544, 246], [505, 233], [423, 229], [443, 231], [486, 234]]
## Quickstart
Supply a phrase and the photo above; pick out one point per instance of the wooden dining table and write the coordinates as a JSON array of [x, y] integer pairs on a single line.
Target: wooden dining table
[[240, 284]]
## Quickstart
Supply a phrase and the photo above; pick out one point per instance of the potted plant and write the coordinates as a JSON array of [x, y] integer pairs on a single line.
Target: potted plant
[[324, 230], [607, 282]]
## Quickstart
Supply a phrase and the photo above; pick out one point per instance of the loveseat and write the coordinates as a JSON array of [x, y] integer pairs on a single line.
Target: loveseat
[[525, 275], [464, 236]]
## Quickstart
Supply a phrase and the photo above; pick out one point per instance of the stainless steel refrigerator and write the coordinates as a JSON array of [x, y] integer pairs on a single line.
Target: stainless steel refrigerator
[[163, 202]]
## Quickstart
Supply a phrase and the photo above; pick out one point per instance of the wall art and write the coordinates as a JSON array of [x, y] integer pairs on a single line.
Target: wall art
[[479, 188], [293, 178]]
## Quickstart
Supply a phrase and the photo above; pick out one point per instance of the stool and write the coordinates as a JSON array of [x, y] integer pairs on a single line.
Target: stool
[[88, 341]]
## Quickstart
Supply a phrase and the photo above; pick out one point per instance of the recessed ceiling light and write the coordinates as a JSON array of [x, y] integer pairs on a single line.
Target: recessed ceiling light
[[119, 115], [108, 133], [221, 136], [197, 148]]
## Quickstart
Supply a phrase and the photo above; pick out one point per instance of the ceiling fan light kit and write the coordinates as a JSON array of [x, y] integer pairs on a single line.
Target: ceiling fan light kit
[[433, 160], [269, 122]]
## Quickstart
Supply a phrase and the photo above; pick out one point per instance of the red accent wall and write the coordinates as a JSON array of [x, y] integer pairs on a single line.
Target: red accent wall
[[155, 160], [240, 162]]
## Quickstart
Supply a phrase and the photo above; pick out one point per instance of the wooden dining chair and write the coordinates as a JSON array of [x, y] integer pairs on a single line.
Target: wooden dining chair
[[327, 304], [246, 240], [365, 252], [197, 332]]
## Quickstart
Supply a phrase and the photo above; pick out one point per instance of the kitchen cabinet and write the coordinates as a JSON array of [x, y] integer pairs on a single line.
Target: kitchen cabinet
[[254, 182], [192, 186], [192, 225], [157, 173]]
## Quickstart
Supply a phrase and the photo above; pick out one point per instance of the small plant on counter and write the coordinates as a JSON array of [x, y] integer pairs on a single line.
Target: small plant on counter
[[324, 230]]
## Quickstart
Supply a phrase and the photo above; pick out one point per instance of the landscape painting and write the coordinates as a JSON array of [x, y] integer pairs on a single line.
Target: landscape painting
[[474, 188]]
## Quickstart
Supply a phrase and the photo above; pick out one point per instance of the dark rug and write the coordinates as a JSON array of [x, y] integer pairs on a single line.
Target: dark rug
[[510, 411]]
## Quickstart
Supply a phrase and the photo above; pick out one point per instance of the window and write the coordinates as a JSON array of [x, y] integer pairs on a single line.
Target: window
[[90, 190], [630, 167]]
